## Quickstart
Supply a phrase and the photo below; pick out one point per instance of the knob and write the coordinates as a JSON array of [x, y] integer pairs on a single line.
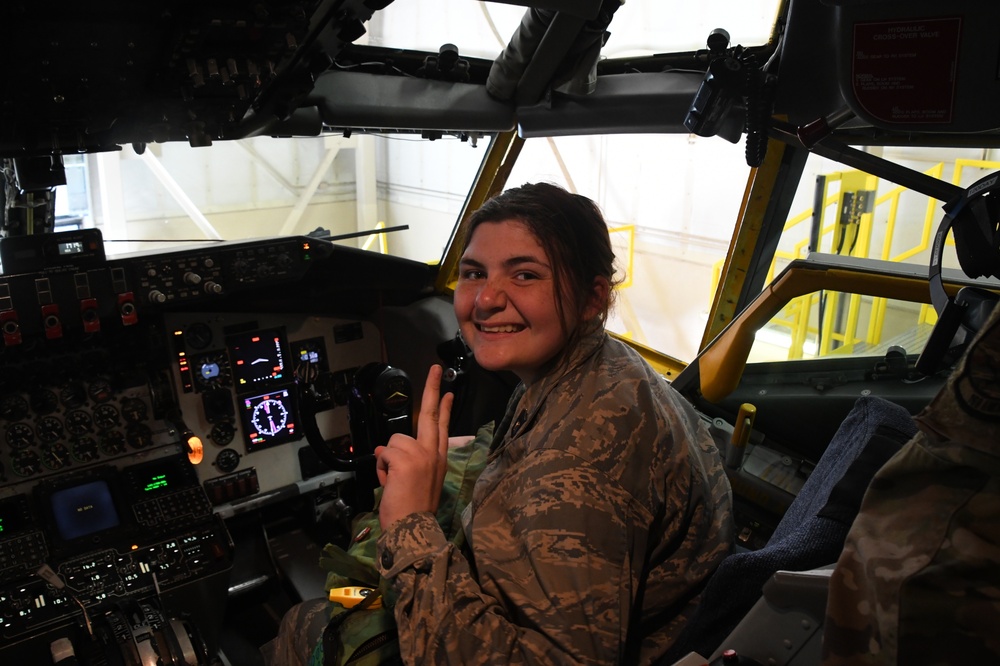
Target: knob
[[157, 296], [192, 278], [212, 287]]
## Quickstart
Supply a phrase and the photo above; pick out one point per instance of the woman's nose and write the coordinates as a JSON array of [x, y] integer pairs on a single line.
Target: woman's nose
[[491, 296]]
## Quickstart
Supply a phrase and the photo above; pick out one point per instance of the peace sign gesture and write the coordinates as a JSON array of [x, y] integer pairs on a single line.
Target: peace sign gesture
[[410, 470]]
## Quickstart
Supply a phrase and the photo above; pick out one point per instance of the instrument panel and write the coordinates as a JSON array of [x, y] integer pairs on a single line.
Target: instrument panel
[[110, 371], [236, 377]]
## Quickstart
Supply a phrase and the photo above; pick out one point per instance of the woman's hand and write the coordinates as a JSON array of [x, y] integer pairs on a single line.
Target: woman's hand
[[410, 470]]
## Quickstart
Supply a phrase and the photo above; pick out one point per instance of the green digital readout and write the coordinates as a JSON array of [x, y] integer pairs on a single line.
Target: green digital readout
[[158, 482]]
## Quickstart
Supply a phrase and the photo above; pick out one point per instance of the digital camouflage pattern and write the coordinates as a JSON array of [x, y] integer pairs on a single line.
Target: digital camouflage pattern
[[303, 625], [919, 579], [599, 472]]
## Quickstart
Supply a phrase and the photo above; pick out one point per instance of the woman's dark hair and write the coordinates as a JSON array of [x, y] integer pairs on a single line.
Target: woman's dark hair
[[571, 230]]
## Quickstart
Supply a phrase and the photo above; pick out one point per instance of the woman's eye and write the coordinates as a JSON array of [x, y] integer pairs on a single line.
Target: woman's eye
[[471, 274], [523, 275]]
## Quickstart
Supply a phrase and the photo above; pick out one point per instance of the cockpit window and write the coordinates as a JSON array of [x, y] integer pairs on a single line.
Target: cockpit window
[[877, 225], [640, 27], [396, 194], [671, 202]]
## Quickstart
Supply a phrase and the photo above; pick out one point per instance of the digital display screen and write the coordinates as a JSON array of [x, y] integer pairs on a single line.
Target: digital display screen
[[155, 478], [268, 419], [258, 358], [73, 247], [83, 510], [12, 516]]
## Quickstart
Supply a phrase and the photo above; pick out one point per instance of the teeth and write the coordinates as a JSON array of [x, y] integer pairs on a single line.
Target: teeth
[[509, 328]]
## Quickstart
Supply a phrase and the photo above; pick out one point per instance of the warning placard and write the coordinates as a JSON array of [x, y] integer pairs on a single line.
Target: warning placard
[[904, 71]]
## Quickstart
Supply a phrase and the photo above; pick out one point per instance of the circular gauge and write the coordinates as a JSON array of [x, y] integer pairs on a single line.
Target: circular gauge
[[134, 410], [269, 417], [100, 390], [13, 407], [222, 433], [212, 371], [78, 422], [72, 395], [139, 436], [55, 455], [198, 335], [106, 417], [85, 449], [44, 401], [227, 460], [49, 429], [112, 443], [20, 436], [26, 463]]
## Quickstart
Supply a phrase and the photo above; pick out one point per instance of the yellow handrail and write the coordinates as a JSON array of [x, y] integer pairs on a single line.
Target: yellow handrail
[[853, 232]]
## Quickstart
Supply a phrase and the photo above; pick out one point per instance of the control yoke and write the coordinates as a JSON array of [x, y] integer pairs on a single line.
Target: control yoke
[[380, 404]]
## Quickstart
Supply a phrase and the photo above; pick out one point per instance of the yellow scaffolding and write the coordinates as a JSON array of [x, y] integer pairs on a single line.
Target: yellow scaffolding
[[851, 232]]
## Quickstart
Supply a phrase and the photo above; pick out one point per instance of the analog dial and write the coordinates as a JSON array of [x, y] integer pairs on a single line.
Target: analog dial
[[139, 436], [73, 395], [26, 463], [222, 433], [13, 407], [44, 401], [55, 455], [134, 410], [20, 436], [198, 335], [212, 371], [112, 443], [227, 460], [100, 390], [84, 449], [269, 417], [106, 417], [50, 429], [78, 422]]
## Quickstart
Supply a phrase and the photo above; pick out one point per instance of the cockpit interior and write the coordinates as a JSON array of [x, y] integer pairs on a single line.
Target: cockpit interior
[[230, 236]]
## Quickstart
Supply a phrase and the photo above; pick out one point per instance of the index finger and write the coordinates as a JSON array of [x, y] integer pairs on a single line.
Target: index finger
[[428, 422]]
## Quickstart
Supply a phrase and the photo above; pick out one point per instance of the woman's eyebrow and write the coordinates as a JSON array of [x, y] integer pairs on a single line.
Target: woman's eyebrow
[[509, 262], [525, 259]]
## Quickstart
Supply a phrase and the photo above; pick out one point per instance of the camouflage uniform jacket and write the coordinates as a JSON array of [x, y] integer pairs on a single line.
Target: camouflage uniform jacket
[[918, 581], [598, 473]]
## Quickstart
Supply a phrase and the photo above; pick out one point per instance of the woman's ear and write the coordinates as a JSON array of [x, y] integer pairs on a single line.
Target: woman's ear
[[597, 301]]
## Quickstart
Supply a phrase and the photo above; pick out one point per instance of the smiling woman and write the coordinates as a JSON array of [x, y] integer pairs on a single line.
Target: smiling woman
[[602, 484]]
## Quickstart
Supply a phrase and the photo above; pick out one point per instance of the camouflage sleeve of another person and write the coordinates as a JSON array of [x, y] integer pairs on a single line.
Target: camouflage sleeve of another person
[[558, 554], [918, 581]]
